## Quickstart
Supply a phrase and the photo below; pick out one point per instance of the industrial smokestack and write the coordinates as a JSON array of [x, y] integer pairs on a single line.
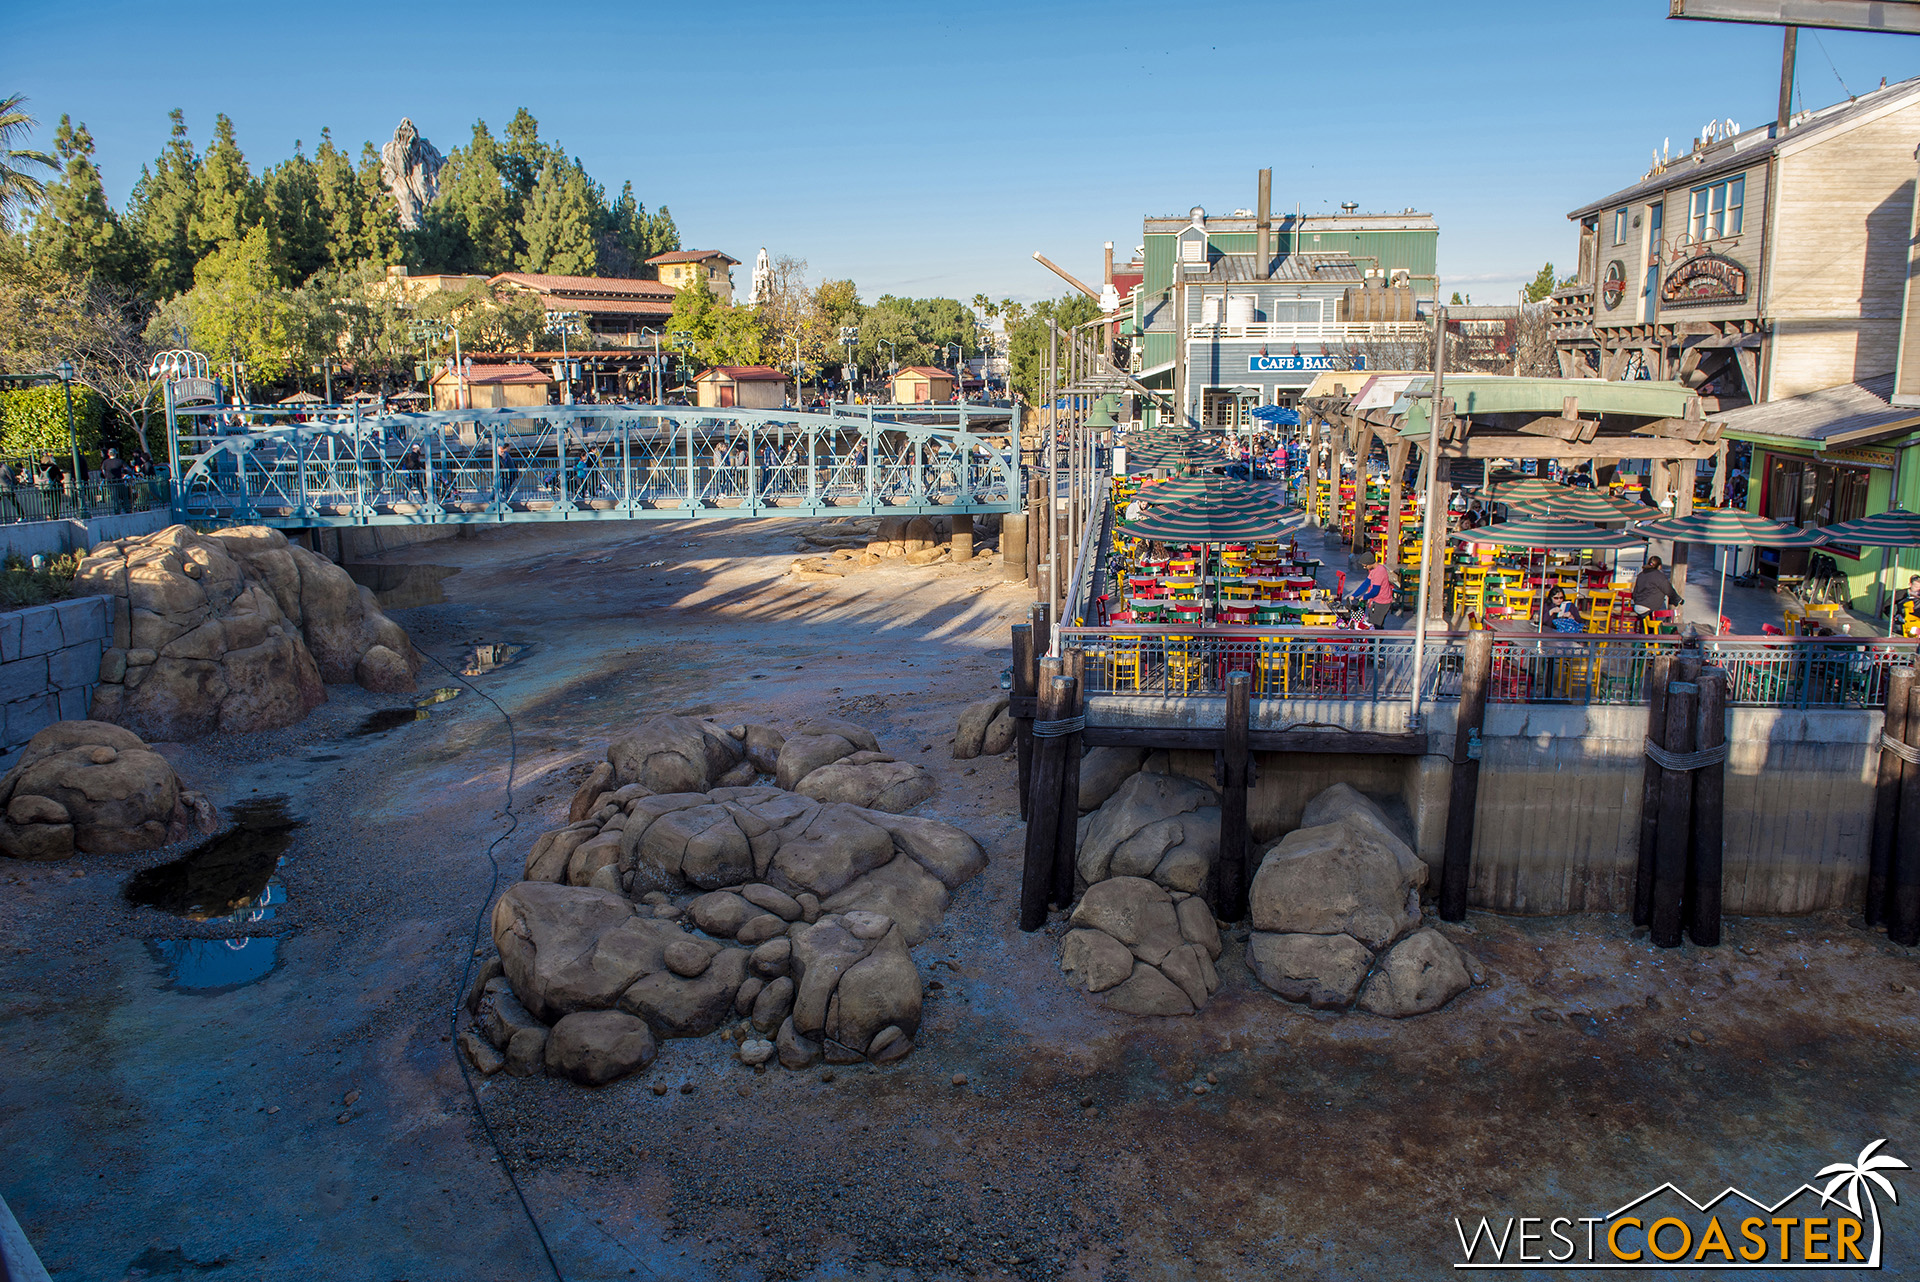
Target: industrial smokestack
[[1265, 207]]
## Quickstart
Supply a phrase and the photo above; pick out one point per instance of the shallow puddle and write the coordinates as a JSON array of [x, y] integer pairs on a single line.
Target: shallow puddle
[[210, 965], [490, 657], [398, 587], [387, 718], [442, 695], [226, 877]]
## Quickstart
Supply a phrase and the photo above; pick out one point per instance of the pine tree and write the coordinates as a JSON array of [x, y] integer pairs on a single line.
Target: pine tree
[[380, 232], [75, 230], [523, 158], [160, 210], [472, 218], [290, 192], [558, 228], [228, 204], [1541, 285]]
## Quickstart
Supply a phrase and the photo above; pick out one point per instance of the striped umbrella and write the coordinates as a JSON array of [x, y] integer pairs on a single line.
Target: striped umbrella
[[1180, 451], [1582, 505], [1731, 527], [1225, 511], [1895, 529], [1553, 532], [1175, 488], [1528, 489]]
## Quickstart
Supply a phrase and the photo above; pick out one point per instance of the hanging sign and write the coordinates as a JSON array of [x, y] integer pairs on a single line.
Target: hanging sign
[[193, 391], [1704, 280], [1286, 364], [1614, 287]]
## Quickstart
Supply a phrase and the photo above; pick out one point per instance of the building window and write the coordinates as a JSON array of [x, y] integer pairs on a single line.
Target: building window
[[1717, 210], [1804, 493], [1193, 250], [1620, 226]]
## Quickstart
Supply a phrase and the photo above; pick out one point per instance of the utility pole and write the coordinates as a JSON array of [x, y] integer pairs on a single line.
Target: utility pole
[[1428, 569]]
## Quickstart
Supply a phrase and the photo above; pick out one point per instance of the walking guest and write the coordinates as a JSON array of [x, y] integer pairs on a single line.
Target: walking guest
[[115, 470], [509, 472], [413, 468]]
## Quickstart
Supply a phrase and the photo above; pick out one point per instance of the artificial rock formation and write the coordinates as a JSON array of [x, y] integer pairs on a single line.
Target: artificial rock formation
[[1335, 906], [235, 631], [754, 902], [93, 787], [1142, 949], [1163, 827]]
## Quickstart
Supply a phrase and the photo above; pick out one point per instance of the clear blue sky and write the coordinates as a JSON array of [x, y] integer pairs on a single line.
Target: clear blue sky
[[928, 149]]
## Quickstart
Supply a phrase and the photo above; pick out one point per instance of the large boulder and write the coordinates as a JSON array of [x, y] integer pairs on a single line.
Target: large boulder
[[594, 1047], [1158, 826], [674, 754], [1143, 949], [892, 786], [1343, 803], [971, 733], [802, 754], [568, 948], [1323, 971], [1134, 911], [900, 889], [93, 787], [1340, 878], [1103, 770], [236, 631], [853, 978], [822, 852], [1422, 972], [940, 848], [1000, 734]]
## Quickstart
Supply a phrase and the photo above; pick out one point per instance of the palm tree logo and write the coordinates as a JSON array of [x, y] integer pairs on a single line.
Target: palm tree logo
[[1860, 1176]]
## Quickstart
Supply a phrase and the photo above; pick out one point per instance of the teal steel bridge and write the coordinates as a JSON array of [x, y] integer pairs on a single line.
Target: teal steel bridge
[[590, 462]]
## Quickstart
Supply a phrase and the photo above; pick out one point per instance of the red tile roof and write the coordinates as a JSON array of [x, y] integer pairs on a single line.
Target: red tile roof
[[512, 372], [745, 373], [928, 370], [614, 286], [608, 306], [691, 256]]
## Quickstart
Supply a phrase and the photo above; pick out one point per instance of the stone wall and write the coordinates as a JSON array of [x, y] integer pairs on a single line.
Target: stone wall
[[49, 664], [28, 539]]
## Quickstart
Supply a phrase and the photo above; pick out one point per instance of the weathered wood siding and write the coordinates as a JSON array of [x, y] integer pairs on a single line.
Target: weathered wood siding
[[1837, 273]]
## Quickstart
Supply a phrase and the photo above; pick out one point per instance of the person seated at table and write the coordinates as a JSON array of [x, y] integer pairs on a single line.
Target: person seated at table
[[1909, 601], [1561, 615], [1653, 590]]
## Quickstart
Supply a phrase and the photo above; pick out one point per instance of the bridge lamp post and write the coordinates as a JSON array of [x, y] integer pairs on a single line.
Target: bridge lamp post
[[562, 323], [682, 343], [65, 371], [849, 339]]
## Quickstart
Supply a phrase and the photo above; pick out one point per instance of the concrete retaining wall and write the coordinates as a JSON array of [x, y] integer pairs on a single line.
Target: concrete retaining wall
[[49, 664], [1557, 827], [51, 538]]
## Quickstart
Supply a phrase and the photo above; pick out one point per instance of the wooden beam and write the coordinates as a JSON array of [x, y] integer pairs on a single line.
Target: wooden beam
[[1681, 429], [1562, 428], [1517, 446], [1398, 743]]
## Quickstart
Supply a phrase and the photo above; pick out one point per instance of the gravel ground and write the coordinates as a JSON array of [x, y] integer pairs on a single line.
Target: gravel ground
[[316, 1124]]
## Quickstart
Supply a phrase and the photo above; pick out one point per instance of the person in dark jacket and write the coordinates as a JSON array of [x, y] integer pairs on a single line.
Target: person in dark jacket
[[1652, 589]]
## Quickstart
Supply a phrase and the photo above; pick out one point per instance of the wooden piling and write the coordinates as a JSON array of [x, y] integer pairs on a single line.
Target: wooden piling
[[1456, 867], [962, 537], [1066, 847], [1036, 544], [1709, 800], [1886, 795], [1013, 547], [1233, 873], [1043, 804], [1903, 878], [1657, 682], [1026, 682], [1675, 834]]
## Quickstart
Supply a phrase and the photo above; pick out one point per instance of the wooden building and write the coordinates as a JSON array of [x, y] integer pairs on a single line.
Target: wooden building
[[747, 387], [617, 311], [916, 384], [680, 268], [491, 387]]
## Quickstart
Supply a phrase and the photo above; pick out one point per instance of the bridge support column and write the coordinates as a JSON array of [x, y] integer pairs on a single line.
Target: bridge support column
[[963, 538], [1013, 546]]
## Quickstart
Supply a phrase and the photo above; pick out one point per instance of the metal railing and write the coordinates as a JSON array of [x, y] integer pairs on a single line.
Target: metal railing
[[1552, 668], [1311, 331], [94, 498]]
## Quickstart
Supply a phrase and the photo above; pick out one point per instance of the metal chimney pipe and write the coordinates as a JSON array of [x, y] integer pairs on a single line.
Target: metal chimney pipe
[[1108, 278], [1265, 263]]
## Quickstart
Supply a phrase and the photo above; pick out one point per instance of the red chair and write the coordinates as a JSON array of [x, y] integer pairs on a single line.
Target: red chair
[[1772, 630], [1238, 616], [1339, 582]]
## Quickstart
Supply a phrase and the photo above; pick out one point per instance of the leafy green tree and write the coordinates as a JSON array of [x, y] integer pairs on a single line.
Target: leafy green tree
[[227, 202], [627, 236], [722, 333], [381, 238], [160, 211], [19, 185], [290, 192], [490, 317], [238, 310], [1027, 336], [473, 211], [75, 231], [558, 228], [523, 157], [1541, 285], [33, 421]]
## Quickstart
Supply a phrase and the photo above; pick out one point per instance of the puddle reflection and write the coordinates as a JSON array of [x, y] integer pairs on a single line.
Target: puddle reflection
[[490, 657], [228, 876], [210, 965]]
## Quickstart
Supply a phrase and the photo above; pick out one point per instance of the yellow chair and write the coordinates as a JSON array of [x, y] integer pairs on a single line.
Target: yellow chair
[[1185, 667], [1600, 607], [1319, 620], [1123, 662], [1273, 669], [1236, 592], [1182, 589]]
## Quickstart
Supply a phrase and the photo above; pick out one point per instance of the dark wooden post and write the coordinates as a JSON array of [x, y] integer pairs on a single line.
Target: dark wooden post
[[1036, 541], [1886, 795], [1903, 891], [1650, 790], [1232, 871], [1456, 867], [1026, 682], [1043, 806], [1363, 446], [1066, 848], [1709, 797], [1676, 805]]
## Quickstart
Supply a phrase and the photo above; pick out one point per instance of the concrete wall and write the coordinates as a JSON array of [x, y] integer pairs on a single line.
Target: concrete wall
[[346, 543], [49, 664], [1557, 826], [51, 538]]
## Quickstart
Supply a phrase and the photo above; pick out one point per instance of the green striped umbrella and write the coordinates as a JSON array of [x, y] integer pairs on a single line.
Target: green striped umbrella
[[1187, 487], [1895, 529], [1172, 455], [1550, 532], [1225, 511], [1581, 505], [1527, 490], [1731, 527]]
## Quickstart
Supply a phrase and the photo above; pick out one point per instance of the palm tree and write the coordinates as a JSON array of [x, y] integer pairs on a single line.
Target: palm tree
[[17, 186], [1855, 1177]]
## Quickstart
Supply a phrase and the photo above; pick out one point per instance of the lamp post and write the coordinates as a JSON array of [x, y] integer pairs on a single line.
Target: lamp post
[[65, 370], [849, 339], [893, 364], [562, 323]]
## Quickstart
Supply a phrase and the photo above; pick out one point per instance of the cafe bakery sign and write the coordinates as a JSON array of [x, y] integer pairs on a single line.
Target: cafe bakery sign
[[1704, 280]]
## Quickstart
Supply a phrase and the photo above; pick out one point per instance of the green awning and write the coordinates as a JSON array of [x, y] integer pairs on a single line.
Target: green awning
[[1475, 395]]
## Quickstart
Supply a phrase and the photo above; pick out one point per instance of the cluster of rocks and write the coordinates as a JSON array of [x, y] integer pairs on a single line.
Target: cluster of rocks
[[689, 889], [1335, 910], [238, 631], [864, 543], [1334, 906], [1143, 949], [93, 787]]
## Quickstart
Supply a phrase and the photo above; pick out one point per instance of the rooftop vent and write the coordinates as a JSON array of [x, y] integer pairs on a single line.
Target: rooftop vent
[[1348, 206]]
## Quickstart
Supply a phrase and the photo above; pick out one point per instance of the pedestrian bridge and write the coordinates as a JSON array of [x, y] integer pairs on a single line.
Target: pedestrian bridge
[[592, 462]]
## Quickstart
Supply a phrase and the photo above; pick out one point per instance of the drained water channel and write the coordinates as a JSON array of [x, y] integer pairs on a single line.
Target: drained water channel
[[400, 587], [226, 878]]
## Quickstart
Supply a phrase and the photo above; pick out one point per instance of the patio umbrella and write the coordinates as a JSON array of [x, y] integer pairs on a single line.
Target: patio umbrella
[[1896, 529], [1550, 532], [1177, 488], [1226, 511], [1581, 505], [1731, 527], [1528, 489], [300, 398]]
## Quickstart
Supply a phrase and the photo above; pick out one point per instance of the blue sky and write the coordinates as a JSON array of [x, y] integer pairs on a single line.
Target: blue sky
[[930, 149]]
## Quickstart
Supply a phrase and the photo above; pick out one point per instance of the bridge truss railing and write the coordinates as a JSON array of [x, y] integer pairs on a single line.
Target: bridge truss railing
[[588, 461]]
